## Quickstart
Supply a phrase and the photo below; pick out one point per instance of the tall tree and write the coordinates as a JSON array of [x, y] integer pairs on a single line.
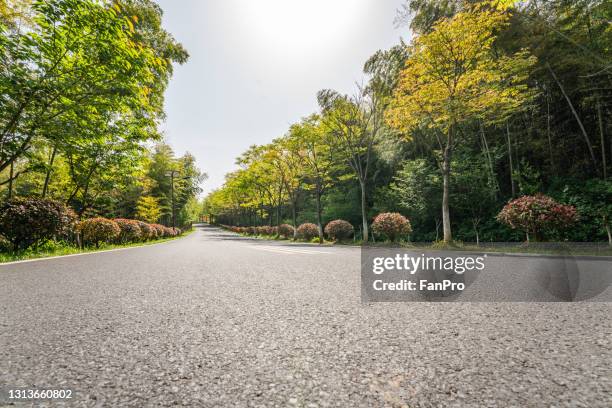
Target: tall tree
[[317, 154], [455, 74]]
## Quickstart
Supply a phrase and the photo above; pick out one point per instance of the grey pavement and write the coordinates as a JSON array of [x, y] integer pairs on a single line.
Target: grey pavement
[[217, 320]]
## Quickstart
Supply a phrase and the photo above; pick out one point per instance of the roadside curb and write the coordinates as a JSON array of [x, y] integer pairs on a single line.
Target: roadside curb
[[489, 253]]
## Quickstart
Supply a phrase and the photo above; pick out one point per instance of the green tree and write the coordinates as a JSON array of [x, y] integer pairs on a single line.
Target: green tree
[[317, 154], [454, 74]]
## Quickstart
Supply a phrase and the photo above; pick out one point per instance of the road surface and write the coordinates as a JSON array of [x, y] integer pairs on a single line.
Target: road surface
[[216, 320]]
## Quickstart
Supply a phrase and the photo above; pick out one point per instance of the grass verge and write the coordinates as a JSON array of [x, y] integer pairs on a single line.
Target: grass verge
[[53, 249], [518, 248]]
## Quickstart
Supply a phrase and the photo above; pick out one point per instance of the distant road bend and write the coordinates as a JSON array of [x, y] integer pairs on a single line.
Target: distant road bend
[[217, 320]]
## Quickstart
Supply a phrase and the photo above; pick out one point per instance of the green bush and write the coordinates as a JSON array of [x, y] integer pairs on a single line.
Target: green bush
[[308, 231], [338, 230], [26, 222], [130, 231], [391, 226], [96, 230], [286, 231]]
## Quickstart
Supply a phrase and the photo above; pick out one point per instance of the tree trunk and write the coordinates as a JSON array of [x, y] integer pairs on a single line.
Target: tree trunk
[[485, 145], [49, 170], [603, 141], [294, 219], [85, 192], [10, 186], [319, 215], [571, 105], [607, 226], [446, 169], [364, 217], [548, 133], [511, 163]]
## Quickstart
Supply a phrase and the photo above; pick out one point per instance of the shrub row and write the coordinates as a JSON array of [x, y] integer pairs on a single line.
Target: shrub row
[[335, 230], [391, 226], [537, 215], [94, 231], [263, 230], [27, 222]]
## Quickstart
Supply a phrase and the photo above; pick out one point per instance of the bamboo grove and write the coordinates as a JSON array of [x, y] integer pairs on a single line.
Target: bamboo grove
[[490, 101]]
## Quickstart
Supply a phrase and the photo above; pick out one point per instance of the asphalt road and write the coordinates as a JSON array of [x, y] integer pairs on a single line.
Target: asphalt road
[[216, 320]]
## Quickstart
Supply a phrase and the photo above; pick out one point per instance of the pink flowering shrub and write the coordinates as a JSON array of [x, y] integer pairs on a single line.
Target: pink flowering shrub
[[130, 231], [308, 231], [147, 231], [338, 230], [537, 215], [160, 230], [286, 231], [96, 230], [391, 225]]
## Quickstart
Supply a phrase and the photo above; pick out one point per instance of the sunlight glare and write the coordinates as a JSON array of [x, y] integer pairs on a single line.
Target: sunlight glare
[[301, 24]]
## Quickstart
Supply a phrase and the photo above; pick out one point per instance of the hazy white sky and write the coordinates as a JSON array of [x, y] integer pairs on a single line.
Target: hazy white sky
[[256, 66]]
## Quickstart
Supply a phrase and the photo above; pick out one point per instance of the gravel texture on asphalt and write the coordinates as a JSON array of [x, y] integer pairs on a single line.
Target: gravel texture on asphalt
[[216, 320]]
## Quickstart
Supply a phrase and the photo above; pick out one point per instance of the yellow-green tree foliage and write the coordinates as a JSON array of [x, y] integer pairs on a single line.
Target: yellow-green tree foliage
[[148, 209], [455, 74]]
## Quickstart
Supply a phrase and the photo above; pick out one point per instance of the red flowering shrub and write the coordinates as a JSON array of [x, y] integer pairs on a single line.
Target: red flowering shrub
[[146, 231], [168, 232], [537, 215], [338, 230], [31, 221], [391, 226], [267, 230], [130, 231], [286, 231], [308, 231], [96, 230], [160, 230]]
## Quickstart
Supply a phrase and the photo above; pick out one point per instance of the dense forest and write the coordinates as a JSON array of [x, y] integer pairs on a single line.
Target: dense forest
[[490, 101], [82, 87]]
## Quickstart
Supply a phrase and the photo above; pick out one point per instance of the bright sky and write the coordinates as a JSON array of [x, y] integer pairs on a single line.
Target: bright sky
[[256, 66]]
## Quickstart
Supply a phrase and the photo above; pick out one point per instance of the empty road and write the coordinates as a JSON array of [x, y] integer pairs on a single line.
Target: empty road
[[215, 320]]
